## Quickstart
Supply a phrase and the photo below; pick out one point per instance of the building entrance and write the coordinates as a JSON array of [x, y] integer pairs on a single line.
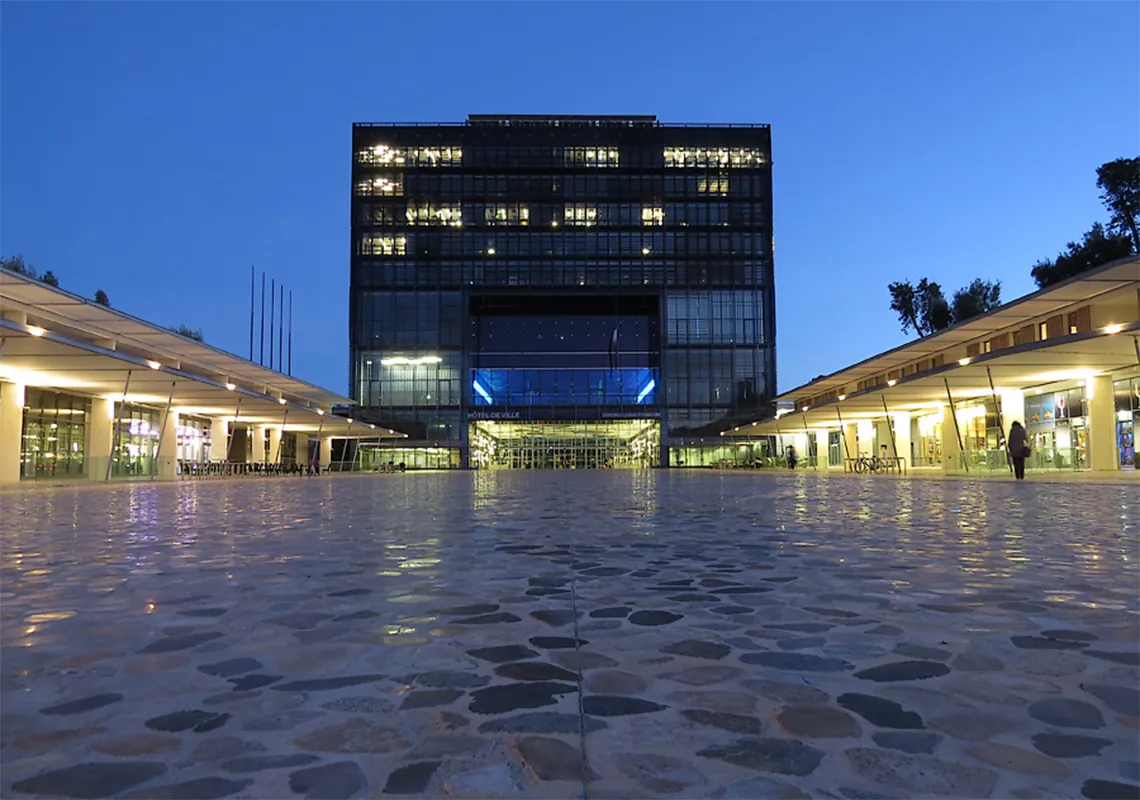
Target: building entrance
[[624, 444]]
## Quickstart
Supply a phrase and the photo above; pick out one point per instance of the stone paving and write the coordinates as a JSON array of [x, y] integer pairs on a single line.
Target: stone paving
[[567, 634]]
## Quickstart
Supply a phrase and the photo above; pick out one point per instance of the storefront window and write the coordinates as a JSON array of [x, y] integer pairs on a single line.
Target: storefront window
[[54, 434], [136, 435], [193, 439], [926, 440], [1058, 429]]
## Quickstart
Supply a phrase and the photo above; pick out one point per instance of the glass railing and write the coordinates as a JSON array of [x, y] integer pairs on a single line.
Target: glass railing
[[994, 461]]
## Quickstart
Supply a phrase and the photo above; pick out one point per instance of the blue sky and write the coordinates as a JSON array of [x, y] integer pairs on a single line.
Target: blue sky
[[157, 150]]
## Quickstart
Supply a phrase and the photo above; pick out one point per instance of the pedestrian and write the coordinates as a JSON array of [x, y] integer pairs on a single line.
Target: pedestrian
[[1018, 445], [792, 457]]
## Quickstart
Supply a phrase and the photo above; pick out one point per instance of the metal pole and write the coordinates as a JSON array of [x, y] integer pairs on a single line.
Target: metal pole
[[957, 431], [890, 429], [344, 453], [843, 435], [1001, 422], [252, 295], [290, 363], [320, 427], [779, 435], [281, 333], [162, 433], [272, 310], [281, 438], [261, 350], [118, 425]]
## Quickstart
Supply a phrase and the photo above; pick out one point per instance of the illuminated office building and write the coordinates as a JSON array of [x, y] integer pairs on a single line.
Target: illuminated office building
[[568, 291]]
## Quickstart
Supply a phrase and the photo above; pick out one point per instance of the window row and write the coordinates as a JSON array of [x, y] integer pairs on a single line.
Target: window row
[[720, 157], [404, 319], [629, 215], [577, 156], [717, 317], [599, 243], [593, 185], [450, 275], [383, 155], [564, 387]]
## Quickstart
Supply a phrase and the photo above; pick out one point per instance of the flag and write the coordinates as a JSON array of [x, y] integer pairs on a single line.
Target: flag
[[613, 347]]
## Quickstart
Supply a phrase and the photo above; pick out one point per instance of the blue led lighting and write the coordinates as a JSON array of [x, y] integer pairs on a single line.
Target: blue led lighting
[[648, 388], [482, 392]]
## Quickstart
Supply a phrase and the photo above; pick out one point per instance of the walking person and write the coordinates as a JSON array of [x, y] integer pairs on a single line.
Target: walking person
[[792, 457], [1018, 445]]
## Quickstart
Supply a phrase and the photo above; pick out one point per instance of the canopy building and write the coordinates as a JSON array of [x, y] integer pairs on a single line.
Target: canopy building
[[560, 291], [1063, 361], [90, 393]]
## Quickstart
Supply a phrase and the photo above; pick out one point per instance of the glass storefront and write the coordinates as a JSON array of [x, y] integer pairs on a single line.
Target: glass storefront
[[136, 430], [193, 440], [926, 440], [1057, 425], [376, 457], [54, 435], [1126, 401], [565, 445]]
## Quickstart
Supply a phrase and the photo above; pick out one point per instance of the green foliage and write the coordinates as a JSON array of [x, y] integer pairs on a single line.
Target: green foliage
[[980, 297], [17, 264], [102, 299], [1119, 184], [189, 333], [1097, 247], [922, 306]]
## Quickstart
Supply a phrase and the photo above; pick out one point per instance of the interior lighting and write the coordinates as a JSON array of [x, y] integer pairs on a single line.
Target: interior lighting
[[490, 251], [645, 251], [154, 365], [891, 382], [370, 425], [963, 362], [35, 330], [350, 420], [231, 386], [804, 408], [397, 361], [320, 412], [842, 397], [1115, 327], [648, 388], [281, 400]]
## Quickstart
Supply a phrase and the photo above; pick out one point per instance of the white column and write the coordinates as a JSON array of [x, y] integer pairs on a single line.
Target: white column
[[168, 452], [258, 433], [11, 430], [1012, 407], [902, 436], [849, 442], [865, 430], [324, 456], [219, 433], [821, 450], [100, 432], [951, 462], [1103, 453], [302, 450], [274, 443]]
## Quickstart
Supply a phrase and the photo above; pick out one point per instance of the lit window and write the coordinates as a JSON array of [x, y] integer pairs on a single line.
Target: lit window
[[376, 245], [382, 155], [987, 347], [435, 215], [581, 215], [512, 214], [714, 157], [717, 184], [387, 185], [652, 215], [590, 156], [435, 156], [1043, 331], [1072, 329]]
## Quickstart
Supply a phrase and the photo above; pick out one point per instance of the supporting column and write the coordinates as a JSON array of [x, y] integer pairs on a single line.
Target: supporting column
[[951, 461], [822, 450], [1104, 454], [258, 433], [1012, 407], [274, 444], [11, 430], [324, 455], [302, 450], [850, 441], [902, 437], [168, 450], [219, 433], [100, 432]]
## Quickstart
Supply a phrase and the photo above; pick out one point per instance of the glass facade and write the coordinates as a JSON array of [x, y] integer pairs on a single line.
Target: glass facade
[[568, 268], [54, 435]]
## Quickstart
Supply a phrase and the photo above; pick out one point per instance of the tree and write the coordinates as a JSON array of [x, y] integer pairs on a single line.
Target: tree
[[189, 333], [980, 297], [922, 306], [1119, 182], [17, 264], [102, 299], [50, 279], [1097, 247]]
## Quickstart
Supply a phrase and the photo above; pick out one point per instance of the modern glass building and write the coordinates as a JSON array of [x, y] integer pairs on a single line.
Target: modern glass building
[[568, 291]]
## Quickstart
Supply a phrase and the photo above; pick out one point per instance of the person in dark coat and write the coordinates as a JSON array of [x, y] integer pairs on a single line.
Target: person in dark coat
[[1018, 449]]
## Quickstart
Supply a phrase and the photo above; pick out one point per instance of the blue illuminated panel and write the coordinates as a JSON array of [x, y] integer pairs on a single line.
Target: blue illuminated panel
[[564, 387]]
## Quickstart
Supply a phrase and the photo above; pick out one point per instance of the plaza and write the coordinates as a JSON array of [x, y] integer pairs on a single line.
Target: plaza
[[628, 633]]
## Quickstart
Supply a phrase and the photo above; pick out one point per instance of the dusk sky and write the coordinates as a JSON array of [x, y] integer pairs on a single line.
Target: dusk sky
[[157, 150]]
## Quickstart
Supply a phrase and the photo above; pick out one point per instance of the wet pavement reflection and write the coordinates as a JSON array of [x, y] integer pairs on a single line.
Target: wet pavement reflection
[[568, 634]]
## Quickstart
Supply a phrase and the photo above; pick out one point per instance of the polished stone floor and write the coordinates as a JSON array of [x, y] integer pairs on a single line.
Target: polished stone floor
[[568, 634]]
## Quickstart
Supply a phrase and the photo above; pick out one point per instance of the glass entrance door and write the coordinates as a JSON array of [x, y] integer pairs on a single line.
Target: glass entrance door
[[625, 444]]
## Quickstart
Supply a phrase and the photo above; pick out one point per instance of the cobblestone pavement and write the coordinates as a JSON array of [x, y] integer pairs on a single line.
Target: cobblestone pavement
[[561, 634]]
